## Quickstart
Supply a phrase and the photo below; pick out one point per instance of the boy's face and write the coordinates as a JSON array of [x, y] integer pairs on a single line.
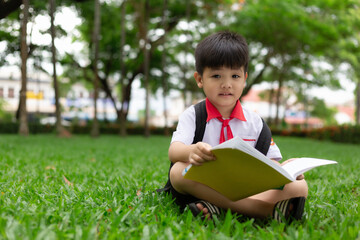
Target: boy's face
[[223, 86]]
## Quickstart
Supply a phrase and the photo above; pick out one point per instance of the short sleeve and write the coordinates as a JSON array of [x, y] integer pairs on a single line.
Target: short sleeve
[[185, 130], [274, 152], [255, 125]]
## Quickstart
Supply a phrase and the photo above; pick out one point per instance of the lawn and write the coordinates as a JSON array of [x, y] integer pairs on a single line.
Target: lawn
[[84, 188]]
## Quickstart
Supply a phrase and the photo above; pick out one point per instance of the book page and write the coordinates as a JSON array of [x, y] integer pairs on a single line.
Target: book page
[[301, 165], [238, 143]]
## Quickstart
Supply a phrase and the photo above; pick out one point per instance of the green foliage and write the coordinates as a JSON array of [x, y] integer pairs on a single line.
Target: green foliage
[[285, 38], [9, 34], [85, 188], [343, 134], [9, 127], [4, 115], [319, 109], [291, 35]]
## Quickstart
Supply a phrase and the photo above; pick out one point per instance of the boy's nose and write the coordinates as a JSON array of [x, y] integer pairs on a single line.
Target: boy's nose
[[226, 84]]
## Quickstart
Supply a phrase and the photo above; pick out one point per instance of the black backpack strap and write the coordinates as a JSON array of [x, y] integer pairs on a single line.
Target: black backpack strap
[[264, 140], [200, 121], [167, 186], [200, 125]]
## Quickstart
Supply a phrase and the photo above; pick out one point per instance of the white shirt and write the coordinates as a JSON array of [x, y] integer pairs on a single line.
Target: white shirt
[[248, 130]]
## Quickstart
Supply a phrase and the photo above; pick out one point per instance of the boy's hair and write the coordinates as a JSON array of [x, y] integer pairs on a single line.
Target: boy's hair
[[222, 49]]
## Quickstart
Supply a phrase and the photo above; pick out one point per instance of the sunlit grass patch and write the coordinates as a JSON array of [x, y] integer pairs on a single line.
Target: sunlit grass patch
[[86, 188]]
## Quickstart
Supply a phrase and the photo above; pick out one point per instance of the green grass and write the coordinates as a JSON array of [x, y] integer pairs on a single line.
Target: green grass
[[83, 188]]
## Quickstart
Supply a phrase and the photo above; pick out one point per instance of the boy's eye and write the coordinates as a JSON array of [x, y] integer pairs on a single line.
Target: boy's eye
[[216, 76], [235, 76]]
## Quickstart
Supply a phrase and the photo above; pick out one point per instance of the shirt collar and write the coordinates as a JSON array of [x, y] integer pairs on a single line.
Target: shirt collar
[[212, 112]]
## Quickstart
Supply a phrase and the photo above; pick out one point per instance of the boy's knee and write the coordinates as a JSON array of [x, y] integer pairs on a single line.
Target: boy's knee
[[176, 173], [300, 188], [304, 188]]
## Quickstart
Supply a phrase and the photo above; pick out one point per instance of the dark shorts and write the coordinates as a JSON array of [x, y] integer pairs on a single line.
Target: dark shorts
[[181, 199]]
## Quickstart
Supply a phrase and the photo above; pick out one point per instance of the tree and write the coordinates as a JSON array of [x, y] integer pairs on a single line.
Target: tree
[[60, 130], [4, 115], [9, 6], [185, 67], [286, 37], [124, 105], [95, 52], [144, 36], [109, 48], [163, 68], [319, 109], [348, 48], [23, 128], [142, 11], [10, 33], [357, 110]]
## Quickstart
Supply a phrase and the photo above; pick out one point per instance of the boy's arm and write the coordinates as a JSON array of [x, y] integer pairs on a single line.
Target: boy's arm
[[195, 154]]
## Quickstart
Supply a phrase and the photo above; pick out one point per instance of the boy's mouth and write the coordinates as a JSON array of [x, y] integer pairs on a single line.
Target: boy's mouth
[[225, 94]]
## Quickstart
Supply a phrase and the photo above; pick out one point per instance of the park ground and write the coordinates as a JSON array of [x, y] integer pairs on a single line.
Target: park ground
[[103, 188]]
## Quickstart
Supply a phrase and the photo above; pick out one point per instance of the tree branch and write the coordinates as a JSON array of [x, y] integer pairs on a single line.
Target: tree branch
[[258, 77]]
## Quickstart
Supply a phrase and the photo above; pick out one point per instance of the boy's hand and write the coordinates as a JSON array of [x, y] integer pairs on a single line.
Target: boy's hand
[[301, 176], [200, 153]]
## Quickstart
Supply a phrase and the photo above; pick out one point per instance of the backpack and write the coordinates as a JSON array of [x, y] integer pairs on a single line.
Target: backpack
[[262, 145]]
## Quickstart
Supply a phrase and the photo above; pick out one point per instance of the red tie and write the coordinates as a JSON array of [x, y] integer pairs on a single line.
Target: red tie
[[225, 124]]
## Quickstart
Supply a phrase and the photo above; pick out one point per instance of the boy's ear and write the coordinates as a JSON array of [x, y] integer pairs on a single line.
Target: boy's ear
[[198, 79], [246, 75]]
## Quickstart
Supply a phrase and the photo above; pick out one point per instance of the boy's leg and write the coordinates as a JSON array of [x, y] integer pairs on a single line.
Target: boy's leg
[[291, 190], [249, 207], [260, 205]]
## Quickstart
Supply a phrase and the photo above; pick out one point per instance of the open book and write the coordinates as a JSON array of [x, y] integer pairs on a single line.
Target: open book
[[240, 170]]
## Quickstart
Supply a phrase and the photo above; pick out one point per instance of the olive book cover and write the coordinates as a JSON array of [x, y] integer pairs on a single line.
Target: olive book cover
[[240, 170]]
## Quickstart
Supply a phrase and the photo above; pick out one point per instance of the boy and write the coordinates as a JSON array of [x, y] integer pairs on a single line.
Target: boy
[[221, 71]]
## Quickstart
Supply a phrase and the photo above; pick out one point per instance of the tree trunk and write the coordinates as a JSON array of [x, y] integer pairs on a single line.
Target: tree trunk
[[259, 77], [60, 130], [306, 108], [23, 128], [278, 100], [127, 98], [124, 105], [163, 66], [147, 94], [95, 126], [187, 92], [271, 97], [143, 28], [357, 106]]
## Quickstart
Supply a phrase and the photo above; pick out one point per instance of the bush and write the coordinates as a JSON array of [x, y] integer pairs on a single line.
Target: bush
[[9, 127], [105, 128], [346, 134], [343, 133], [34, 128]]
